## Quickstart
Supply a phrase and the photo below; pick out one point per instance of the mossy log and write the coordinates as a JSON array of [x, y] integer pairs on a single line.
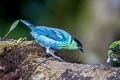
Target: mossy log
[[27, 60]]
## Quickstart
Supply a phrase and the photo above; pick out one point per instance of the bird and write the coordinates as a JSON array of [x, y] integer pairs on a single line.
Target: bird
[[53, 39], [114, 52]]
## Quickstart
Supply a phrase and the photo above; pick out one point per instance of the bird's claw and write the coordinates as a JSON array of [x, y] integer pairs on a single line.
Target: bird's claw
[[60, 59]]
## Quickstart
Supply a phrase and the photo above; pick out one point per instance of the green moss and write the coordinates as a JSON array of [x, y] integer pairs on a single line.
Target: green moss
[[6, 45]]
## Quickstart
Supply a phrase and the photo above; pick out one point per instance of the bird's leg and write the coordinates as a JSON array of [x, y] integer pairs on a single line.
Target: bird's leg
[[51, 52]]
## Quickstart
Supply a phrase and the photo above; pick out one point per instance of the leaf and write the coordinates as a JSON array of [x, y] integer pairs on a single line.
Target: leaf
[[11, 28], [14, 25]]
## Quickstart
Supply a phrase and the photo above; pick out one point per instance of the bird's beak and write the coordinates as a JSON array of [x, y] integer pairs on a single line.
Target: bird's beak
[[82, 50]]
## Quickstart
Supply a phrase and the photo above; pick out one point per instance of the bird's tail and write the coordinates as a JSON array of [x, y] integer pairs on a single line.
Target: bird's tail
[[27, 23]]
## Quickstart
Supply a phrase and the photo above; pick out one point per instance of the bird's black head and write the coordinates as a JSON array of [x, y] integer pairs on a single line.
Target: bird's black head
[[79, 44]]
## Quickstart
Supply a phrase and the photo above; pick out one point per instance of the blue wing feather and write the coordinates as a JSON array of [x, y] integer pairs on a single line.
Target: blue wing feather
[[52, 33]]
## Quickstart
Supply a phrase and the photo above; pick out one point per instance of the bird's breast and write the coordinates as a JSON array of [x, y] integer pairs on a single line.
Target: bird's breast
[[68, 46]]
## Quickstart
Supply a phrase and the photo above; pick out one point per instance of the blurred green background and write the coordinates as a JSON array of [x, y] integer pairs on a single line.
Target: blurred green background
[[94, 22]]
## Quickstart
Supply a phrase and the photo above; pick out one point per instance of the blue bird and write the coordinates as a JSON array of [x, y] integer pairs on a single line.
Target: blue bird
[[53, 39]]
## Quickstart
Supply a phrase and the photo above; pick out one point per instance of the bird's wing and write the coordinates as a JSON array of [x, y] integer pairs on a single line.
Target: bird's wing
[[53, 33]]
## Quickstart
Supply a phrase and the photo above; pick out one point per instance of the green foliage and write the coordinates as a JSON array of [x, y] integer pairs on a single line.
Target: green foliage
[[14, 25], [6, 45], [11, 28]]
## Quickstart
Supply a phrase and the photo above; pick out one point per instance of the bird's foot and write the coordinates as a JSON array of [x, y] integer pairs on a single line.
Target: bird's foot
[[60, 59], [51, 52], [56, 57]]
